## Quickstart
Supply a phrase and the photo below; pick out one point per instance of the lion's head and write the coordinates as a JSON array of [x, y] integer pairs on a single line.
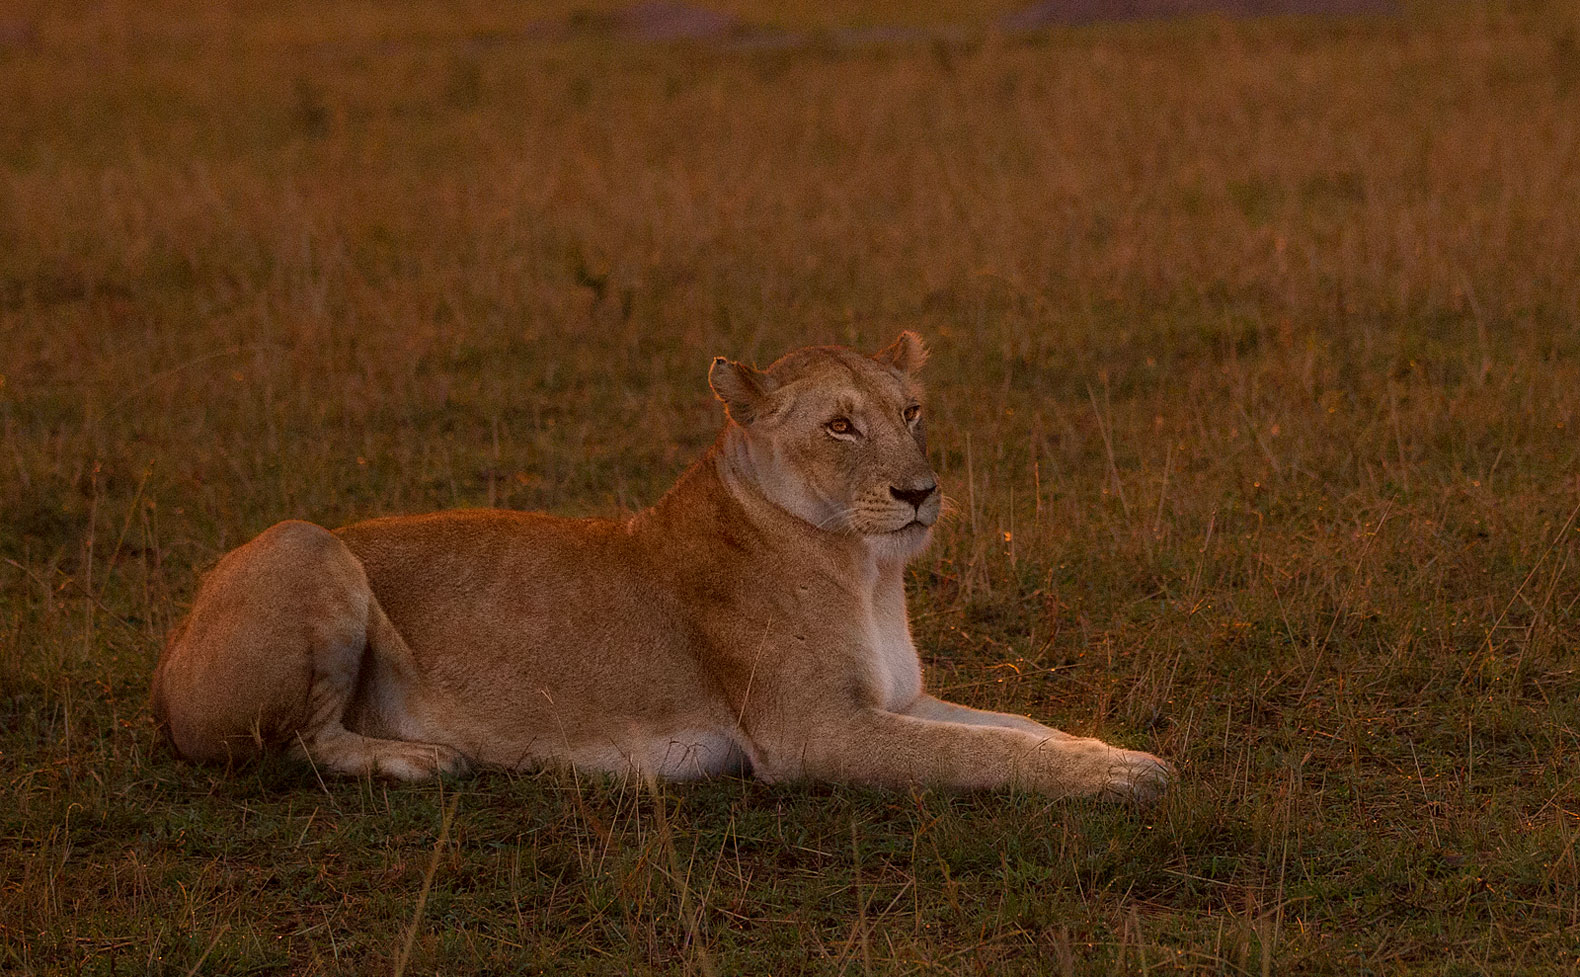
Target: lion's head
[[837, 438]]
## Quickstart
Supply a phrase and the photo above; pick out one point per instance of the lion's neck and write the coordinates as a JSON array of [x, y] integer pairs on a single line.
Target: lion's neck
[[748, 481], [717, 524], [722, 496], [752, 481]]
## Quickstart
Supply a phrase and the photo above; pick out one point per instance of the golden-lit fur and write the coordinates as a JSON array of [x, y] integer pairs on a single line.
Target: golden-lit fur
[[754, 619]]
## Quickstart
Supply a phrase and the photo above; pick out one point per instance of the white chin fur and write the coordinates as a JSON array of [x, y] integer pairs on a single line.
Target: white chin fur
[[901, 544]]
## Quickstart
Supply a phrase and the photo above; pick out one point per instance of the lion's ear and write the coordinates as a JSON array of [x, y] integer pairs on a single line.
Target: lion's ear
[[742, 388], [906, 354]]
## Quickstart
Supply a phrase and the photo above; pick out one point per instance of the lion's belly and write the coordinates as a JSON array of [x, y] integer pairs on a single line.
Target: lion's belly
[[525, 724], [691, 754], [557, 703]]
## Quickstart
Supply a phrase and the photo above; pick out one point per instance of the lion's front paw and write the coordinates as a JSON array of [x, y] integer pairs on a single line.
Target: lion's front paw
[[1136, 776]]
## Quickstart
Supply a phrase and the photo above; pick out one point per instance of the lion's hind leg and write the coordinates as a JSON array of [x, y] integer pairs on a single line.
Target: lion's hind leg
[[270, 657], [324, 739]]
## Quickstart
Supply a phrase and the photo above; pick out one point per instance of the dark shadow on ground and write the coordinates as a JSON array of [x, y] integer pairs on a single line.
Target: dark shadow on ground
[[1052, 13], [672, 20]]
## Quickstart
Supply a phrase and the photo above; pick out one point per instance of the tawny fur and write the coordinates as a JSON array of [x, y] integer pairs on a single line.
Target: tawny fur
[[753, 620]]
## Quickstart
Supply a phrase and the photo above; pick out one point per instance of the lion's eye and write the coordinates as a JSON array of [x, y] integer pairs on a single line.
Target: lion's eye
[[912, 413], [840, 425]]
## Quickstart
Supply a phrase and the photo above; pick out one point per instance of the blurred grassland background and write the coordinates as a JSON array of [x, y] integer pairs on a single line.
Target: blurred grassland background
[[1255, 381]]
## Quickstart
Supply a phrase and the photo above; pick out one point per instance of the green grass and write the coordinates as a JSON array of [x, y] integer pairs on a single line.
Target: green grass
[[1256, 380]]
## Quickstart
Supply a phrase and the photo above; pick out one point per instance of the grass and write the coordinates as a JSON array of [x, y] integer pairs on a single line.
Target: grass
[[1256, 378]]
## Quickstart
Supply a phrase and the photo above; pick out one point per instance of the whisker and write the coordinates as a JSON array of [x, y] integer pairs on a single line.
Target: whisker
[[844, 514]]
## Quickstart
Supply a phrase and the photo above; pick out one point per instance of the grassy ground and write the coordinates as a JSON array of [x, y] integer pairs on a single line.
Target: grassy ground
[[1256, 378]]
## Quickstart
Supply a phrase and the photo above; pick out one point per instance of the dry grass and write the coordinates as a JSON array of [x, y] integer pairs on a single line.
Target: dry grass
[[1255, 382]]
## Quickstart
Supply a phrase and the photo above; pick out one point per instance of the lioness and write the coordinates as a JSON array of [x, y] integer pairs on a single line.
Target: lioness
[[753, 620]]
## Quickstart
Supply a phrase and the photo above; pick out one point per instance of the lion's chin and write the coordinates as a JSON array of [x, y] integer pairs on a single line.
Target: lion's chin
[[901, 543]]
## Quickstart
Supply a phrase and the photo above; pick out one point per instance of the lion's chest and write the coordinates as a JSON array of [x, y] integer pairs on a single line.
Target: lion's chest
[[895, 669]]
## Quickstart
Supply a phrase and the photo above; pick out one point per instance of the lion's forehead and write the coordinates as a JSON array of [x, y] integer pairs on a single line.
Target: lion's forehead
[[850, 382], [849, 400], [855, 396]]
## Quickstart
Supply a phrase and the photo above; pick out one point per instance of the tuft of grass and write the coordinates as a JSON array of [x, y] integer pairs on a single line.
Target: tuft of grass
[[1255, 391]]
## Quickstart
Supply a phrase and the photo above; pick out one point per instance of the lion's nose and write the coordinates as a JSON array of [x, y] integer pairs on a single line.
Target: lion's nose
[[914, 496]]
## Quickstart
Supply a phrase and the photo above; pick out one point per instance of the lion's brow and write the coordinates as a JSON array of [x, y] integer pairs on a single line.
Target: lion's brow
[[866, 386], [872, 391]]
